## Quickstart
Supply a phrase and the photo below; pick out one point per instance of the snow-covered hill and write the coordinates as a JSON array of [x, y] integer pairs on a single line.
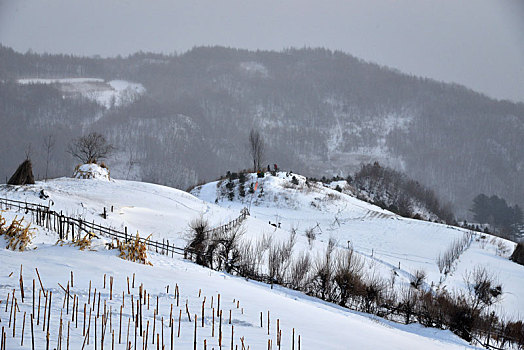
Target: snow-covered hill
[[392, 245], [382, 238]]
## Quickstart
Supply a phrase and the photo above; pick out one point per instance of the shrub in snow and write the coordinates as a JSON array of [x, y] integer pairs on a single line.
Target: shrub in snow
[[230, 185], [91, 171], [349, 276], [198, 240], [241, 183], [85, 242], [418, 278], [134, 250], [483, 288], [445, 261], [18, 237], [310, 235], [299, 275], [322, 282]]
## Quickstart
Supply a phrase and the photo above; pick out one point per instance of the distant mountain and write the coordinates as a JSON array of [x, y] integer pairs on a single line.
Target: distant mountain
[[320, 113]]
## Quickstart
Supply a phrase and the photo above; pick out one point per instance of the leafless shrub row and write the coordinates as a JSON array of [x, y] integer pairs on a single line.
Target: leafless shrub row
[[339, 276], [445, 260]]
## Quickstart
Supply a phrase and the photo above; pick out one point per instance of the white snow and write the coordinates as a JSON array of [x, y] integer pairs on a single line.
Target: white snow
[[320, 325], [91, 171], [383, 239], [106, 93], [59, 81]]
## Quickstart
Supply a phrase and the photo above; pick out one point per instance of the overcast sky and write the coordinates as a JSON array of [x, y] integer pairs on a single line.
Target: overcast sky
[[477, 43]]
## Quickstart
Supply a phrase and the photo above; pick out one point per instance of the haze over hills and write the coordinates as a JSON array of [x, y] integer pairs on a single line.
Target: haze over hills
[[320, 113], [476, 43]]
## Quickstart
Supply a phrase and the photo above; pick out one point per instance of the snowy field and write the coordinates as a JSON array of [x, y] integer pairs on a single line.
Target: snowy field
[[382, 238], [320, 325]]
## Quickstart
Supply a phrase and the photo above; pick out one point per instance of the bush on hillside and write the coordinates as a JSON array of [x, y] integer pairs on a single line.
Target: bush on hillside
[[394, 191]]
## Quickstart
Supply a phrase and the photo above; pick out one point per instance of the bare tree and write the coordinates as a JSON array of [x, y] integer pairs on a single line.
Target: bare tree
[[256, 148], [28, 151], [90, 148], [48, 144]]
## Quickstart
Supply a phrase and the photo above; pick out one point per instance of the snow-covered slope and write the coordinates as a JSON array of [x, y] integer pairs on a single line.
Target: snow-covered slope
[[381, 237], [320, 325], [106, 93], [391, 244], [161, 211]]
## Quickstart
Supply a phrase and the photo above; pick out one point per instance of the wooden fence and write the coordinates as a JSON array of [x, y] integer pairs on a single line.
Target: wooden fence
[[69, 228], [230, 225]]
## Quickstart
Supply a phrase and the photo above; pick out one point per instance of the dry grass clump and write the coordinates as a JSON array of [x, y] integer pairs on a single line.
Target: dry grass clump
[[18, 237], [134, 250], [85, 242]]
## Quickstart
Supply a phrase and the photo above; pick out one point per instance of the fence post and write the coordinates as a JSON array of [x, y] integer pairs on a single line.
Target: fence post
[[61, 224]]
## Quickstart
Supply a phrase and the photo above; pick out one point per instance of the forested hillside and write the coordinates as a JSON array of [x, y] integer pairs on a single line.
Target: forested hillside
[[320, 113]]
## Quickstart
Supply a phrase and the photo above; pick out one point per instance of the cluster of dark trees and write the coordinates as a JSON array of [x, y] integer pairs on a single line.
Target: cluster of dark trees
[[393, 190], [339, 276], [320, 113], [496, 212]]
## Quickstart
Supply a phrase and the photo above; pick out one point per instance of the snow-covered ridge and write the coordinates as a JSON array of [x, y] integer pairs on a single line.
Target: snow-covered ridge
[[393, 246], [163, 211], [106, 93]]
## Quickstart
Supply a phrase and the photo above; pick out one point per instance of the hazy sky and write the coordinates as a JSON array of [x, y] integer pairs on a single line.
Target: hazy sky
[[478, 43]]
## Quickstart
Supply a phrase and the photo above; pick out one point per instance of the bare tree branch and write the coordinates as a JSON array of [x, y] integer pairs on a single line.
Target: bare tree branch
[[90, 148], [49, 144]]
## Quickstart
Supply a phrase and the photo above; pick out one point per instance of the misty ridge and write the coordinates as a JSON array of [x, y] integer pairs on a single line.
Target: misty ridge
[[321, 113]]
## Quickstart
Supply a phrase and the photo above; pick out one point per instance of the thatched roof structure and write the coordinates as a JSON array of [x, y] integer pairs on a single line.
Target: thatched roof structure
[[23, 175], [518, 254]]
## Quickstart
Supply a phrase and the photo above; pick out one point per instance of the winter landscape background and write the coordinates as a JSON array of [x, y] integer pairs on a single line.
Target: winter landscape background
[[345, 174], [182, 119]]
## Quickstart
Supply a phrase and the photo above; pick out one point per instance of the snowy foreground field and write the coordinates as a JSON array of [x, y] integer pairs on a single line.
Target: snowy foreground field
[[382, 238]]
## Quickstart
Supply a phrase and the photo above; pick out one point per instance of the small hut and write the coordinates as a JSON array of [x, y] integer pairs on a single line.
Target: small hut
[[23, 175]]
